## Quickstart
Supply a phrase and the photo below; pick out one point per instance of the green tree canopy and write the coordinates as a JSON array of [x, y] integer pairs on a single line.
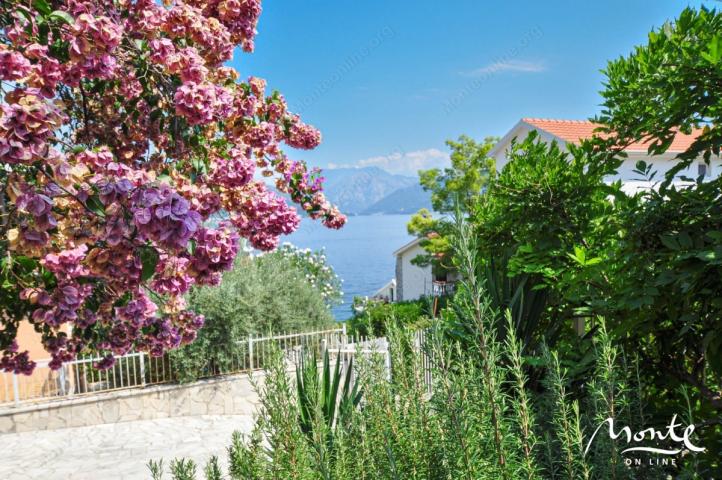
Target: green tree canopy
[[462, 182], [671, 84], [671, 255]]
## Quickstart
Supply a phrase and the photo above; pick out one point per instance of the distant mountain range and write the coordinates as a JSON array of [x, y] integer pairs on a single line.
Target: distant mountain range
[[370, 190]]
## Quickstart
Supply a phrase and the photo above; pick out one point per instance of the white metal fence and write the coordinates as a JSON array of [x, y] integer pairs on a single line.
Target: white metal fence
[[80, 377]]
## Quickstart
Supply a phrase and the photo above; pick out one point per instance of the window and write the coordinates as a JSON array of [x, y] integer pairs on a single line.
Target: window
[[703, 170]]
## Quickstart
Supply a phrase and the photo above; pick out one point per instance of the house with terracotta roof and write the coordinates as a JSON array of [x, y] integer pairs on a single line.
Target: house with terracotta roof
[[565, 132], [412, 281]]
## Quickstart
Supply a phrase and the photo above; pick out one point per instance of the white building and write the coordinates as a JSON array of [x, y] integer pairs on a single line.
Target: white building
[[412, 282], [572, 131], [387, 293]]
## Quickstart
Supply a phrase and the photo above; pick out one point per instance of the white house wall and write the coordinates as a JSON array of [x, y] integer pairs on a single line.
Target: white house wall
[[417, 281]]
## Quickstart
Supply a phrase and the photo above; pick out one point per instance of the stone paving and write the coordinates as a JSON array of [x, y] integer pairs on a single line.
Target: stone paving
[[116, 451]]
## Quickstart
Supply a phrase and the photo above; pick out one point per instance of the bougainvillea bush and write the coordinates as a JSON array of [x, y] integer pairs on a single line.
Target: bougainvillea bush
[[122, 130]]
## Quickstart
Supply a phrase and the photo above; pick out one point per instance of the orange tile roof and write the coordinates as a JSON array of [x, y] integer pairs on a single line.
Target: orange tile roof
[[574, 130]]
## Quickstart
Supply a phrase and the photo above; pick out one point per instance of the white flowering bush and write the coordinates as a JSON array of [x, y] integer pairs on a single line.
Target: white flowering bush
[[313, 265]]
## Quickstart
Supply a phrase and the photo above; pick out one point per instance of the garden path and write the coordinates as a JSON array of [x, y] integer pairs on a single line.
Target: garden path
[[116, 451]]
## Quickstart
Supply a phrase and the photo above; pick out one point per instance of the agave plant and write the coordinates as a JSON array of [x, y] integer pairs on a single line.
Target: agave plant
[[325, 393], [524, 298], [521, 296]]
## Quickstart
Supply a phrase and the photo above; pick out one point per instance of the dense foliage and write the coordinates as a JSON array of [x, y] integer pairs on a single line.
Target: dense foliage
[[648, 262], [121, 132], [479, 420], [551, 215], [671, 294], [555, 234], [670, 84], [266, 294], [371, 317]]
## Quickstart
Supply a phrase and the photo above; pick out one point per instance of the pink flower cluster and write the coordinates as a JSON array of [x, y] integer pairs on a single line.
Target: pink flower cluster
[[137, 324], [305, 187], [93, 35], [130, 320], [39, 207], [171, 276], [163, 216], [67, 265], [334, 218], [235, 171], [62, 349], [119, 265], [17, 362], [303, 136], [201, 103], [189, 65], [214, 253], [27, 123], [202, 197], [238, 16], [121, 133], [212, 38], [13, 65], [261, 135], [93, 40], [46, 73], [65, 303], [262, 216]]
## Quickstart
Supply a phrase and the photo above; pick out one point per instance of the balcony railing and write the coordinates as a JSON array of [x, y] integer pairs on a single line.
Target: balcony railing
[[440, 289]]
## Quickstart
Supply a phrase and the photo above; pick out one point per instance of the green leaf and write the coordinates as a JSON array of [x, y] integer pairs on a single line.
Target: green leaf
[[123, 300], [715, 235], [61, 16], [707, 255], [164, 178], [670, 241], [714, 51], [42, 6], [26, 14], [95, 205], [149, 259], [685, 240]]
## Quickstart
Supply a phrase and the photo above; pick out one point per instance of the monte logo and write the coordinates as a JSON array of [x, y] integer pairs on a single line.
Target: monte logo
[[649, 439]]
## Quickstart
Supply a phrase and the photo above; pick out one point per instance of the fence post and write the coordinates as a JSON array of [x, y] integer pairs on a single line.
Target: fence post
[[250, 351], [16, 390], [388, 360], [343, 333], [61, 379], [142, 368]]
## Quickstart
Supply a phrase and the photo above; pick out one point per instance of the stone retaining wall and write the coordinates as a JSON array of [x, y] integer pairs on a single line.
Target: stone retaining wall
[[229, 395]]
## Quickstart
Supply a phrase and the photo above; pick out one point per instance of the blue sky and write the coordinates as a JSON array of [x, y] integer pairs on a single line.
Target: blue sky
[[388, 81]]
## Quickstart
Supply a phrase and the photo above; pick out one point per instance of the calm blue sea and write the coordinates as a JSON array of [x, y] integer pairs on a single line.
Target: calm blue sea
[[360, 252]]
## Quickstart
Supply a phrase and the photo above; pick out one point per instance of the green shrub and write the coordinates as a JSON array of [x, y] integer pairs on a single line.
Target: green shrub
[[371, 316], [480, 422], [263, 294]]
